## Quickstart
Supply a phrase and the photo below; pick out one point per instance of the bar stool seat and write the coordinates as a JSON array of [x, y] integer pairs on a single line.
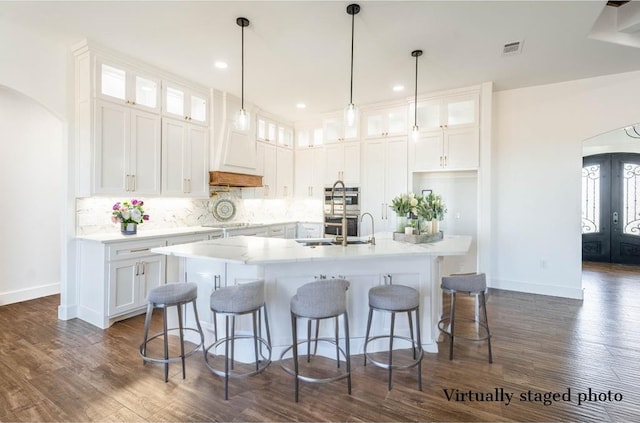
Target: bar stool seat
[[233, 301], [395, 299], [316, 301], [472, 284], [164, 296]]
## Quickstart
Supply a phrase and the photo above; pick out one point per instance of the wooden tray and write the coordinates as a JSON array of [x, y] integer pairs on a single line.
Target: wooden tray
[[418, 239]]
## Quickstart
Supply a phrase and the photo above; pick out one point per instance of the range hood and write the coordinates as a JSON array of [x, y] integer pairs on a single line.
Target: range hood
[[219, 178]]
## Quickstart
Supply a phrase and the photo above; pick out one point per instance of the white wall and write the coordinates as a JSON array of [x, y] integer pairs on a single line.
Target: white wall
[[537, 159], [31, 156]]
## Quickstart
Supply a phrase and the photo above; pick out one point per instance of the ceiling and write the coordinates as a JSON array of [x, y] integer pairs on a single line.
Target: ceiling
[[299, 51]]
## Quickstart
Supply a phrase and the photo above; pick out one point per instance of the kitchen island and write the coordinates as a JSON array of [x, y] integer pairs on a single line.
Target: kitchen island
[[286, 264]]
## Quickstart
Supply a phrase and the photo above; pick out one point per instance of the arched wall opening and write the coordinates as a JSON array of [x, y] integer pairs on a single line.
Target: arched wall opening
[[32, 183]]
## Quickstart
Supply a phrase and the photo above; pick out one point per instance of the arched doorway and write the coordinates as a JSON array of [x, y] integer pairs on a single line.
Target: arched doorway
[[611, 198]]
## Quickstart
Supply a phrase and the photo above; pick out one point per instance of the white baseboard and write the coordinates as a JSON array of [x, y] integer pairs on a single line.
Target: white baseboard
[[29, 293], [535, 288], [67, 312]]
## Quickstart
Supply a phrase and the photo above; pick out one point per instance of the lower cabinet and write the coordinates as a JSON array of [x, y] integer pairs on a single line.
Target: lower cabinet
[[131, 280]]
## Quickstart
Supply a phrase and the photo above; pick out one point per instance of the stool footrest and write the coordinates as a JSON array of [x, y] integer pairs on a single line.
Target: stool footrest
[[262, 364], [308, 378], [414, 363], [443, 323], [171, 359]]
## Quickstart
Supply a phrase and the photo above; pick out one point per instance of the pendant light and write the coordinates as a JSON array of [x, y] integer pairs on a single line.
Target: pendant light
[[242, 117], [351, 111], [416, 130]]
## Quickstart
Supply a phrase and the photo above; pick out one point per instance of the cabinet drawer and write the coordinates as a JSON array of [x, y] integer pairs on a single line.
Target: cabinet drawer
[[276, 231], [127, 250]]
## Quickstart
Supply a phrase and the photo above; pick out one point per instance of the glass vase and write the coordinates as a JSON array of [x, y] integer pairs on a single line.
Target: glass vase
[[401, 223], [128, 228]]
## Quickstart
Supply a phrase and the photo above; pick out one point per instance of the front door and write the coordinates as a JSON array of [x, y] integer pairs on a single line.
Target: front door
[[611, 208]]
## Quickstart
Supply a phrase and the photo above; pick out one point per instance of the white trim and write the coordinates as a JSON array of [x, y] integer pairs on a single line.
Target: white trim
[[550, 288], [31, 293]]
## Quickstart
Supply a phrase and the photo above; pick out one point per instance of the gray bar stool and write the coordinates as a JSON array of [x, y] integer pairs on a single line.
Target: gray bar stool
[[315, 301], [232, 301], [169, 295], [472, 284], [395, 299]]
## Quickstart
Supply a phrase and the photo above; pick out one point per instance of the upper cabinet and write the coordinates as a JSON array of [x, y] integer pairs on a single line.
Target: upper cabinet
[[335, 131], [385, 122], [126, 85], [269, 130], [449, 134], [185, 103], [309, 135]]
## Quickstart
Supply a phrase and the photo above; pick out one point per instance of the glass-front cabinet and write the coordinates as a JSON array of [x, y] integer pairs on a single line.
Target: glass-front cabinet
[[125, 85], [385, 122], [334, 130], [455, 111], [269, 130], [185, 103], [309, 135]]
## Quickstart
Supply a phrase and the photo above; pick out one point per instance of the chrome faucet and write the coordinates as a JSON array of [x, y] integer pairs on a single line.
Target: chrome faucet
[[342, 237], [372, 238]]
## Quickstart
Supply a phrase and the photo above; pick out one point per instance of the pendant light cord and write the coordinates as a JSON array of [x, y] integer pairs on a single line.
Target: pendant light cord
[[242, 72], [353, 17], [415, 97]]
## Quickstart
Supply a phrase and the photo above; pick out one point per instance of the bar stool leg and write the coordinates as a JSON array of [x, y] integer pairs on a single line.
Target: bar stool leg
[[486, 321], [452, 313], [337, 329], [226, 359], [420, 347], [309, 339], [195, 315], [411, 333], [166, 344], [147, 323], [366, 337], [393, 323], [233, 340], [294, 331], [347, 351], [255, 337], [179, 308]]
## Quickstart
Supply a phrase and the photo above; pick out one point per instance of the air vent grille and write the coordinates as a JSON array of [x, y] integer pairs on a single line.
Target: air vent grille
[[512, 48]]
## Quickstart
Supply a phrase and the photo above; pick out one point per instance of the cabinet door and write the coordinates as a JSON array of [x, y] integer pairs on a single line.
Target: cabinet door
[[284, 172], [173, 267], [174, 141], [151, 275], [303, 180], [351, 167], [318, 171], [334, 163], [332, 129], [461, 110], [145, 162], [198, 161], [112, 145], [123, 289], [396, 176], [426, 152], [373, 195], [461, 148], [267, 168]]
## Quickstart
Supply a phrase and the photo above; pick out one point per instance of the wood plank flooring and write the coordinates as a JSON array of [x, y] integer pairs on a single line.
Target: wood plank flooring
[[53, 370]]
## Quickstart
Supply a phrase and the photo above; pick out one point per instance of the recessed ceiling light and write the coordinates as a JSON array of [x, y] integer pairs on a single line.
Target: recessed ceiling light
[[221, 65], [301, 106], [397, 88]]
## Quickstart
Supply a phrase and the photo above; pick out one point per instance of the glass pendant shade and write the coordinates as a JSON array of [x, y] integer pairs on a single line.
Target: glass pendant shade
[[415, 132], [350, 115], [242, 120]]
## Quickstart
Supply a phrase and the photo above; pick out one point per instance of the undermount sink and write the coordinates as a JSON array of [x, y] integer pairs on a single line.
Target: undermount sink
[[327, 242]]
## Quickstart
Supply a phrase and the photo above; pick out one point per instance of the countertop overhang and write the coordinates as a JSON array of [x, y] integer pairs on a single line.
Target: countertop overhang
[[258, 250]]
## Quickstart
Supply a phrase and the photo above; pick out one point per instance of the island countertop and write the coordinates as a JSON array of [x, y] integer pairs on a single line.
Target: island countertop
[[259, 250]]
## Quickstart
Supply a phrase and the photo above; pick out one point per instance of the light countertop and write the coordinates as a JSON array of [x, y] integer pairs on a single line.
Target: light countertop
[[142, 234], [258, 250]]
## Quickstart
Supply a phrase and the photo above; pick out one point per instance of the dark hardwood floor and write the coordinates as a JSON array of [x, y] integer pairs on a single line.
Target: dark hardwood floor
[[589, 350]]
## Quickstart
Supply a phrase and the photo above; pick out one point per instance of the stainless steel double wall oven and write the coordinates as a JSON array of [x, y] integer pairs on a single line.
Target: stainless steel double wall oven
[[333, 218]]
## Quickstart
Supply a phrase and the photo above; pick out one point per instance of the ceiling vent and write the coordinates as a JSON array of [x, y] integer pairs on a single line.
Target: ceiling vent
[[512, 48]]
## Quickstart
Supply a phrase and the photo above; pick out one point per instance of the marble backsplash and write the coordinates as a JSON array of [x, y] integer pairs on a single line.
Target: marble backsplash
[[93, 214]]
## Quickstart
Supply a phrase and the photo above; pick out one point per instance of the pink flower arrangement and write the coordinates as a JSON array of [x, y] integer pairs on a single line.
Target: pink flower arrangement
[[129, 212]]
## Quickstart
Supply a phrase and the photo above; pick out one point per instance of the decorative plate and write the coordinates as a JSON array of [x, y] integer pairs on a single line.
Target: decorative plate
[[224, 210]]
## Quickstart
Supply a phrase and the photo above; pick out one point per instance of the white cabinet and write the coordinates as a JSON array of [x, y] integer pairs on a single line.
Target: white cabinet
[[446, 149], [175, 271], [188, 104], [343, 163], [185, 159], [275, 164], [310, 170], [385, 171], [309, 230], [271, 131], [335, 131], [284, 172], [126, 150], [131, 280], [385, 122], [251, 231], [309, 135], [125, 85], [449, 134]]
